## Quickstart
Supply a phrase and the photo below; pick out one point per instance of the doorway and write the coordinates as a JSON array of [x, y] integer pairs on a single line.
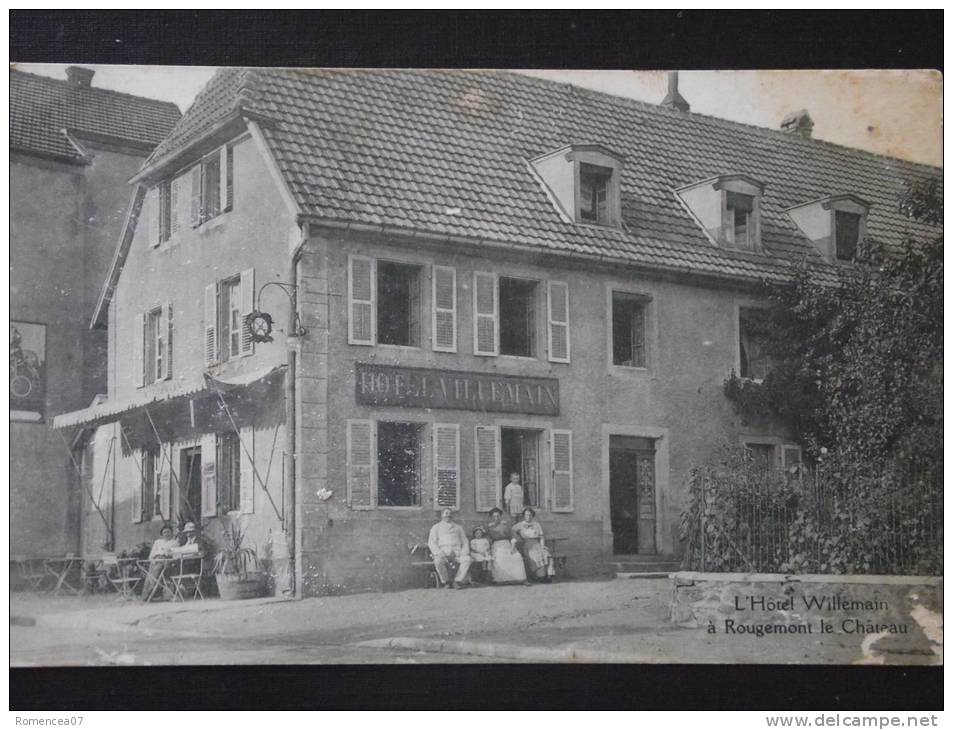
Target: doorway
[[632, 494], [190, 485], [519, 452]]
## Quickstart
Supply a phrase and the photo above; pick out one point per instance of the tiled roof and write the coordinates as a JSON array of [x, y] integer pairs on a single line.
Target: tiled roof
[[41, 108], [446, 152]]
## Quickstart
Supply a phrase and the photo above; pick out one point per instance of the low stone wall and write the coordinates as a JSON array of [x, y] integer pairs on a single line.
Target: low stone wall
[[902, 613]]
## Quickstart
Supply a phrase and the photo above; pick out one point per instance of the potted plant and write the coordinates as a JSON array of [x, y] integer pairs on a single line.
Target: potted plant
[[237, 569]]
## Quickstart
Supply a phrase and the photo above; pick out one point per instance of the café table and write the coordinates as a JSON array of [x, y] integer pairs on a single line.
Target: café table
[[61, 569], [157, 570]]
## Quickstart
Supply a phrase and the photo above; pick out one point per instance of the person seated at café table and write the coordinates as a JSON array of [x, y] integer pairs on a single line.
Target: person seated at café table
[[164, 547], [448, 541], [192, 541]]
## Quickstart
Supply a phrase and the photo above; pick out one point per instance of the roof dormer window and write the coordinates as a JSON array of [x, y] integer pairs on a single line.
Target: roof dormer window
[[836, 225], [846, 235], [594, 193], [728, 209], [582, 180], [740, 224]]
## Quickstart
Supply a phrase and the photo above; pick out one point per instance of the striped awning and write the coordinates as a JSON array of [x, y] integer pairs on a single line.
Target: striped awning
[[185, 386]]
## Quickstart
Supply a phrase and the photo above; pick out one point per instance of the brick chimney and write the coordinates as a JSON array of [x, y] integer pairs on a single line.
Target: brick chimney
[[799, 123], [673, 99], [79, 75]]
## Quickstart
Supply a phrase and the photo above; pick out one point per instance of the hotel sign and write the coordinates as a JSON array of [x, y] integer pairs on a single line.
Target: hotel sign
[[387, 385]]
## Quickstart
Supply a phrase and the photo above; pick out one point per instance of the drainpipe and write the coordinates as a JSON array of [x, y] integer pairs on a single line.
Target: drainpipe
[[290, 506]]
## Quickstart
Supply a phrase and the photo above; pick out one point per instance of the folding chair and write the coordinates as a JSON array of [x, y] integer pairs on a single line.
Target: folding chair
[[188, 579], [32, 571], [123, 575]]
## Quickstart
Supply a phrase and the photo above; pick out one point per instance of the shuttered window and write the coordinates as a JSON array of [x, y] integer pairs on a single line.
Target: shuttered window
[[177, 194], [145, 498], [195, 196], [361, 291], [561, 460], [228, 471], [151, 215], [488, 468], [164, 501], [558, 306], [138, 350], [211, 186], [247, 305], [211, 325], [486, 306], [361, 472], [209, 475], [165, 211], [446, 449], [444, 309], [248, 478]]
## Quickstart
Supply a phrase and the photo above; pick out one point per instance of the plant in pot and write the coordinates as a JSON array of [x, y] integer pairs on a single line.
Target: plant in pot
[[237, 569]]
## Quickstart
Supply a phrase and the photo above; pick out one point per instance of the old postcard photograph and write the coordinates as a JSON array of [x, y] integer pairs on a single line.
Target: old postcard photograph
[[396, 366]]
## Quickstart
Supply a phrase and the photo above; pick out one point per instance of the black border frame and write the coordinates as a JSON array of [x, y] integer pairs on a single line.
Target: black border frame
[[483, 39]]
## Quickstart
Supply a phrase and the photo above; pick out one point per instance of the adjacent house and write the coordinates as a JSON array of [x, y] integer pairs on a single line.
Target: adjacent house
[[73, 148], [450, 276]]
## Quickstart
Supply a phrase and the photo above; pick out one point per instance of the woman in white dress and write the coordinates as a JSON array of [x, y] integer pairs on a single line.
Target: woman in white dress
[[507, 562]]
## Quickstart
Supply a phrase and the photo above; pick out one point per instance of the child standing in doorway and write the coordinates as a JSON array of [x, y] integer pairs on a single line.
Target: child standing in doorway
[[513, 495]]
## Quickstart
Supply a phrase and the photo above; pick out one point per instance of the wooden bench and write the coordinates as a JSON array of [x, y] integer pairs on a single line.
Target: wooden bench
[[557, 548]]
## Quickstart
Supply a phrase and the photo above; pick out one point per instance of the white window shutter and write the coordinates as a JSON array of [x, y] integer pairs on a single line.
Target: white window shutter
[[165, 482], [444, 298], [362, 300], [211, 325], [446, 460], [361, 464], [223, 178], [175, 195], [247, 484], [561, 460], [488, 468], [229, 176], [152, 215], [247, 304], [138, 347], [167, 358], [139, 486], [486, 312], [209, 506], [558, 306], [195, 192]]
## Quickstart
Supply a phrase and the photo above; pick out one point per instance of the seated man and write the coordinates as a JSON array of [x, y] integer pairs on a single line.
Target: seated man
[[193, 541], [447, 542]]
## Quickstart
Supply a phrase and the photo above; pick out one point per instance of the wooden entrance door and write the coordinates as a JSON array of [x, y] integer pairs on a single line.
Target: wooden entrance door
[[632, 494]]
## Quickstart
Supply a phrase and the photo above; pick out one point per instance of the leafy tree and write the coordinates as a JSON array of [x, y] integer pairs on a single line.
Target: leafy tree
[[857, 363]]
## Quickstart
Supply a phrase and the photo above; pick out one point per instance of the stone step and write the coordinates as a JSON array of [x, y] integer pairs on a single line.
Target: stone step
[[645, 564]]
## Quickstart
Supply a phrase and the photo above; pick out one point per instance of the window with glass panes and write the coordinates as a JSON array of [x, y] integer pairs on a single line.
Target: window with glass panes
[[846, 234], [740, 209], [230, 318], [628, 330], [594, 193], [228, 471], [153, 347], [398, 464]]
